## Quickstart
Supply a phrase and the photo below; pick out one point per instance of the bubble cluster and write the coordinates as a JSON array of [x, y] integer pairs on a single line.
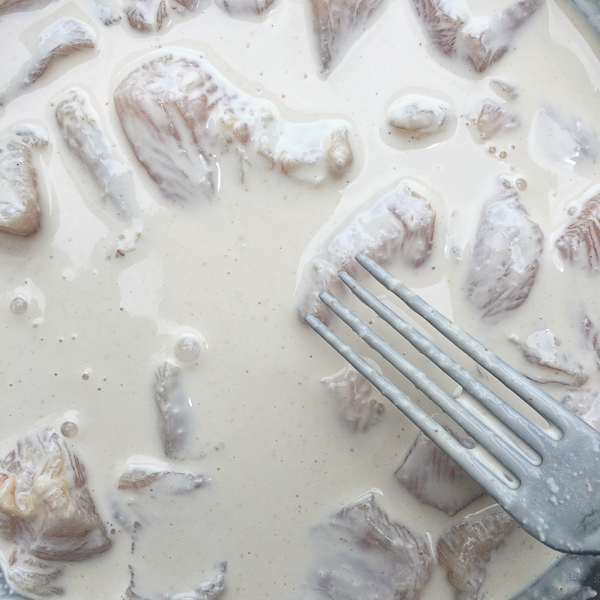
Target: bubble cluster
[[19, 305], [187, 348]]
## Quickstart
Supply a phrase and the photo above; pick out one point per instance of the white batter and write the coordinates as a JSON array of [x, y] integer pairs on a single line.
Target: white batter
[[267, 431]]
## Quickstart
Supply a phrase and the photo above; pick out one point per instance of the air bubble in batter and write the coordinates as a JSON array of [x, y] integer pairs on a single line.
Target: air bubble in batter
[[19, 305], [69, 429], [187, 348]]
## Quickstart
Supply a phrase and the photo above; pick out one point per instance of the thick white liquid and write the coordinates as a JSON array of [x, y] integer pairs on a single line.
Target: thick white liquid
[[267, 433]]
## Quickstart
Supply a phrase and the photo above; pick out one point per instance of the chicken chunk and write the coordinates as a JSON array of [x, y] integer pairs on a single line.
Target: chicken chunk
[[418, 115], [465, 549], [586, 405], [494, 120], [179, 113], [140, 476], [481, 41], [19, 199], [400, 223], [579, 243], [442, 21], [358, 411], [9, 6], [175, 410], [542, 348], [435, 479], [44, 501], [57, 41], [362, 553], [31, 577], [80, 128], [506, 255], [241, 8], [337, 24], [146, 15], [556, 140]]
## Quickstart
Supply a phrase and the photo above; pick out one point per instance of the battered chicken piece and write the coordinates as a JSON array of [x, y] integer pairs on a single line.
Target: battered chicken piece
[[46, 507], [357, 409], [140, 476], [244, 7], [19, 200], [62, 38], [486, 41], [481, 41], [337, 24], [579, 244], [9, 6], [435, 479], [442, 20], [146, 15], [31, 577], [175, 410], [494, 120], [556, 140], [586, 405], [400, 223], [418, 115], [80, 128], [465, 549], [179, 113], [362, 553], [557, 366], [506, 255]]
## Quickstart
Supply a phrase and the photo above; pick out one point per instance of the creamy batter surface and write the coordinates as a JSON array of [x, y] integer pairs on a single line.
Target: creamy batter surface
[[171, 426]]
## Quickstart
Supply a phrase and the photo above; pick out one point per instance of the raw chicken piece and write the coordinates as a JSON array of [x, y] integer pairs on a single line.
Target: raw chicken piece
[[175, 410], [505, 88], [493, 120], [43, 493], [435, 479], [418, 114], [80, 128], [244, 7], [146, 15], [363, 554], [591, 335], [506, 254], [30, 576], [481, 41], [584, 404], [556, 140], [9, 6], [442, 20], [62, 38], [139, 476], [105, 12], [337, 24], [19, 200], [357, 410], [580, 241], [179, 113], [465, 549], [544, 349], [400, 223], [486, 40]]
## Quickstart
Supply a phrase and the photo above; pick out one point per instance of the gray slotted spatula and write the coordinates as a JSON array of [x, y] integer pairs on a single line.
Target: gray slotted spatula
[[550, 482]]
